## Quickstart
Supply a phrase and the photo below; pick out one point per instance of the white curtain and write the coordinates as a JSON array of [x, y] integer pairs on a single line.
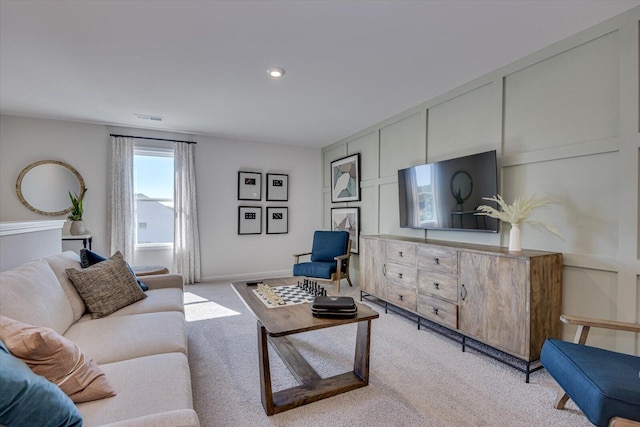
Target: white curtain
[[186, 242], [121, 204]]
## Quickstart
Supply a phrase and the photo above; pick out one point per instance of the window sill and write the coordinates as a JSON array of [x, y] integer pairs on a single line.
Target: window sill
[[154, 247]]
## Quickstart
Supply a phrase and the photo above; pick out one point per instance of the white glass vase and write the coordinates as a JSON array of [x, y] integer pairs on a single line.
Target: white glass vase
[[514, 238]]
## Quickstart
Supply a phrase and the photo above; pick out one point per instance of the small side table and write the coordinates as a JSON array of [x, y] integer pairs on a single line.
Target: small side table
[[85, 238]]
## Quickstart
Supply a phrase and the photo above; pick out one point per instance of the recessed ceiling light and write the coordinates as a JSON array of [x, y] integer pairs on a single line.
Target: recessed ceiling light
[[276, 72]]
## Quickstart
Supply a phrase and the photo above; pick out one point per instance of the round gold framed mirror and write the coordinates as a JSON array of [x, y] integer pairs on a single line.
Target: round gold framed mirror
[[44, 187]]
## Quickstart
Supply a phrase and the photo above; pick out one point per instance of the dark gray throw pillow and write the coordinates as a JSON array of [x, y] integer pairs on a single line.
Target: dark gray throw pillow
[[89, 258], [107, 286]]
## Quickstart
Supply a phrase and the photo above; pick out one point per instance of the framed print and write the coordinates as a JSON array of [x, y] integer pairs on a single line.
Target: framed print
[[277, 187], [277, 220], [249, 219], [345, 179], [347, 219], [249, 185]]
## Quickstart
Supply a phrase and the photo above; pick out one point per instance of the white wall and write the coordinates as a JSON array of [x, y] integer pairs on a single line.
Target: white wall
[[565, 123], [224, 253]]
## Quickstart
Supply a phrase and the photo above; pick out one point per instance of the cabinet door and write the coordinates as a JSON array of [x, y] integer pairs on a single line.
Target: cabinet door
[[372, 256], [493, 301]]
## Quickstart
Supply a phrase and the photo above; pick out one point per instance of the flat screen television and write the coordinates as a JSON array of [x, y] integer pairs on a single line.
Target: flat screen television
[[445, 195]]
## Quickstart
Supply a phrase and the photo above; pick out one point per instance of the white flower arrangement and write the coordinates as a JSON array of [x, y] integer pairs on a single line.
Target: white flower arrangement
[[518, 212]]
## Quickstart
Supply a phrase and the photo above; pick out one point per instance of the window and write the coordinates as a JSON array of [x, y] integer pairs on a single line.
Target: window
[[153, 189]]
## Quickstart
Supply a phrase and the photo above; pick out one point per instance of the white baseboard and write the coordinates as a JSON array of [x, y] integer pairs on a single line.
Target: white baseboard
[[249, 276]]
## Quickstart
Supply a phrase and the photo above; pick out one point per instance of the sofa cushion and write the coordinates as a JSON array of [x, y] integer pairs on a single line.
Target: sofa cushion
[[602, 383], [116, 338], [178, 417], [55, 358], [107, 286], [29, 400], [59, 263], [32, 294], [89, 258], [146, 385], [157, 300]]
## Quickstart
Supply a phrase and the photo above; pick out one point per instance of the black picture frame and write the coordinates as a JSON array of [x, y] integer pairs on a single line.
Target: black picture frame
[[277, 187], [345, 179], [347, 219], [249, 185], [249, 220], [277, 220]]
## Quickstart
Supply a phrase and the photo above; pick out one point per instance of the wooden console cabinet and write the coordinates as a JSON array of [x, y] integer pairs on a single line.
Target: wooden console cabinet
[[511, 301]]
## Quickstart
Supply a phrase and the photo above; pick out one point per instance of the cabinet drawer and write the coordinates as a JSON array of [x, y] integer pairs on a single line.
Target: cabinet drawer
[[401, 275], [440, 285], [401, 253], [438, 311], [401, 296], [439, 260]]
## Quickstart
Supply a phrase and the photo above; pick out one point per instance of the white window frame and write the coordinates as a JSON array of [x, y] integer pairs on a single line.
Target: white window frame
[[158, 152]]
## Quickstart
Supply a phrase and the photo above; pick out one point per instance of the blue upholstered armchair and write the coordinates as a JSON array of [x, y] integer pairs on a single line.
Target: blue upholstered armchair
[[330, 256], [604, 384]]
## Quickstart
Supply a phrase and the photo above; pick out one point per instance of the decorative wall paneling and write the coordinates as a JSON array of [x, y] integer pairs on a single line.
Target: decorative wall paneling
[[565, 122]]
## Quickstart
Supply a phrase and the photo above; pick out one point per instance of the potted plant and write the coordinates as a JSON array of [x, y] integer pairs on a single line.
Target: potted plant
[[515, 214], [77, 210], [459, 200]]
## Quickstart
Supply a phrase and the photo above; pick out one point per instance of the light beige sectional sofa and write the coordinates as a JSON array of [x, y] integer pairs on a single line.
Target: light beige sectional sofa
[[141, 348]]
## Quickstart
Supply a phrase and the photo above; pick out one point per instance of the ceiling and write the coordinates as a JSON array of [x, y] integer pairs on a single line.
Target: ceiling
[[201, 65]]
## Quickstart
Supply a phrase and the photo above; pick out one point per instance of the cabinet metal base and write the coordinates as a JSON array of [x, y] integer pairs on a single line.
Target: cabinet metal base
[[524, 366]]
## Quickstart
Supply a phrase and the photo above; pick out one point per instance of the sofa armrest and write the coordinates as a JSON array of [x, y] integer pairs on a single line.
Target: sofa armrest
[[161, 281], [178, 417]]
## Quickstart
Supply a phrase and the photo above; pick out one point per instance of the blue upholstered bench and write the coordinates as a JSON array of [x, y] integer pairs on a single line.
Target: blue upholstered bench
[[604, 384]]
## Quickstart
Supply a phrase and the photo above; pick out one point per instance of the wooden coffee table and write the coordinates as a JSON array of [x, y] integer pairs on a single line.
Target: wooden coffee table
[[274, 324]]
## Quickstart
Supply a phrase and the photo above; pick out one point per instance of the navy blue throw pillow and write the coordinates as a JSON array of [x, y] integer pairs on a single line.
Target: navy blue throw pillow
[[29, 400], [88, 258]]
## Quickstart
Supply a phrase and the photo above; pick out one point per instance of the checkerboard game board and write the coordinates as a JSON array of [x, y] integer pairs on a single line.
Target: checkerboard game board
[[290, 295]]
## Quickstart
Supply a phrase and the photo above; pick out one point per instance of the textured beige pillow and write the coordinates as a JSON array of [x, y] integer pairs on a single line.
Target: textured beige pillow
[[57, 359], [107, 286]]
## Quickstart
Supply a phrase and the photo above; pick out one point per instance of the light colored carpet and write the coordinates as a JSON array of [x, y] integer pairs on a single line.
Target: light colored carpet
[[417, 377]]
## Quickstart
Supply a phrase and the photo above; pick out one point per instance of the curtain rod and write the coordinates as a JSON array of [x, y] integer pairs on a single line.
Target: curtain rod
[[154, 139]]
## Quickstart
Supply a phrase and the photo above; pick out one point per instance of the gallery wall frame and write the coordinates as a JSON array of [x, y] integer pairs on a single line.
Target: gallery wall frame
[[345, 179], [277, 187], [347, 219], [249, 185], [249, 219], [277, 220]]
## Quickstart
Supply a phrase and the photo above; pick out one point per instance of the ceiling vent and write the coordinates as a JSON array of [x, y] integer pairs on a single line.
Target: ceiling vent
[[148, 117]]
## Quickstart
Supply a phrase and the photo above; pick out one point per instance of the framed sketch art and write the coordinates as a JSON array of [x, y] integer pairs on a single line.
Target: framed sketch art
[[249, 220], [249, 185], [277, 220], [347, 219], [345, 179], [277, 187]]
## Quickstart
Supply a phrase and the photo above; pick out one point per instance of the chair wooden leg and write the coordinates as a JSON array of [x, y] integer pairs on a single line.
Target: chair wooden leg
[[561, 399], [337, 284], [349, 281]]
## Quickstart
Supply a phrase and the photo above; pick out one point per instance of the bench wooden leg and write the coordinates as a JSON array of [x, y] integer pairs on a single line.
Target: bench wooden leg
[[561, 399]]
